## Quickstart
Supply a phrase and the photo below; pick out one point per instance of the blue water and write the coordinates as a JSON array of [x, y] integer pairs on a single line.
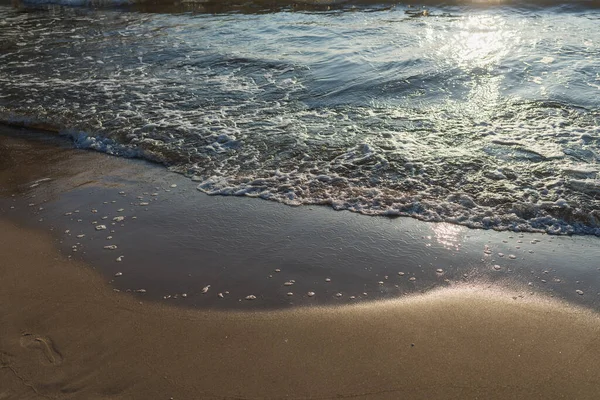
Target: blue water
[[481, 115]]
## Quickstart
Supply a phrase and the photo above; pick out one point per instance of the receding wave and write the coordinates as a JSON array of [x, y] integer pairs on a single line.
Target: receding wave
[[485, 118]]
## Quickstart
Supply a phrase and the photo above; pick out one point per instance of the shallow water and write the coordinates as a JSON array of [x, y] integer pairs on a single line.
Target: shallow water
[[481, 116], [172, 242]]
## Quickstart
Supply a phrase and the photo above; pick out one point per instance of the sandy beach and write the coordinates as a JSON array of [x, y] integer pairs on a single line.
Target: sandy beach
[[70, 330], [66, 335], [315, 200]]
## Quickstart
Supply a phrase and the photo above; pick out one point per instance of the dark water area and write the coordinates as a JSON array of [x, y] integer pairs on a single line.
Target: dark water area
[[482, 114], [415, 9]]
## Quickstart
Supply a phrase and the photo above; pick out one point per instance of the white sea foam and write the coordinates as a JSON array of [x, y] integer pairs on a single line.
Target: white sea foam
[[426, 132]]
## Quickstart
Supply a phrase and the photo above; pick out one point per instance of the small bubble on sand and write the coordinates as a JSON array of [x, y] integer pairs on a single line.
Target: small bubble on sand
[[288, 283], [277, 270], [529, 283], [401, 273], [251, 297], [290, 293], [119, 274], [352, 297], [543, 281], [120, 210], [144, 203], [439, 271], [140, 291], [67, 231], [69, 213], [338, 295], [380, 282], [497, 267], [118, 219], [173, 185], [500, 254], [579, 292], [205, 289], [80, 236], [121, 192], [220, 295], [327, 279], [183, 294], [412, 278], [109, 238], [120, 258], [94, 211], [364, 293], [110, 247], [100, 227], [154, 194], [311, 294], [512, 256]]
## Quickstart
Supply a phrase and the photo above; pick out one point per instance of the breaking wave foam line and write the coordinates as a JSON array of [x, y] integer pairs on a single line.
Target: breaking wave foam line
[[342, 193], [460, 209]]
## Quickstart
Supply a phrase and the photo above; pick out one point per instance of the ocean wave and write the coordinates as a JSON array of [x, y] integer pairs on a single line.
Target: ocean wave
[[473, 120], [414, 8], [527, 210]]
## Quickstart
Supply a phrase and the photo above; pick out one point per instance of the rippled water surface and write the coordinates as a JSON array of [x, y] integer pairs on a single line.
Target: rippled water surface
[[481, 116]]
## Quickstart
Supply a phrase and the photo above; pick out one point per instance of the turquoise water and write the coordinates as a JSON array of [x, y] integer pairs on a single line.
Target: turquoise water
[[484, 116]]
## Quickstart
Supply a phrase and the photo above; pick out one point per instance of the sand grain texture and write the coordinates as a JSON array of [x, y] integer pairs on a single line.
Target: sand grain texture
[[65, 335]]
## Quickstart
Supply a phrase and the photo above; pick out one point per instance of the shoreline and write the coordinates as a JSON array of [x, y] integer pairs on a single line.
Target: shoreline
[[172, 240], [66, 334]]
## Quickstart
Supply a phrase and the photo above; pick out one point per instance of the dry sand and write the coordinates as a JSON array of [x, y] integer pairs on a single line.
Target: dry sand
[[64, 334]]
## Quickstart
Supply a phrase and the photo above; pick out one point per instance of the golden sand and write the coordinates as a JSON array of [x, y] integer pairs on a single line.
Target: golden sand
[[64, 334]]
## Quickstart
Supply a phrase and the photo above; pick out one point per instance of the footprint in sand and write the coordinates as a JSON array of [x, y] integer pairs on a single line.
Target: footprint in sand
[[44, 345]]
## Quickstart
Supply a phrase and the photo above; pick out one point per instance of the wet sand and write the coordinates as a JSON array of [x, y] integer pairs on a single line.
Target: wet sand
[[172, 240], [65, 333]]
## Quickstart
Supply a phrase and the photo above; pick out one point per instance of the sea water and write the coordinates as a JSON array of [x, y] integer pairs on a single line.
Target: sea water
[[479, 113]]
